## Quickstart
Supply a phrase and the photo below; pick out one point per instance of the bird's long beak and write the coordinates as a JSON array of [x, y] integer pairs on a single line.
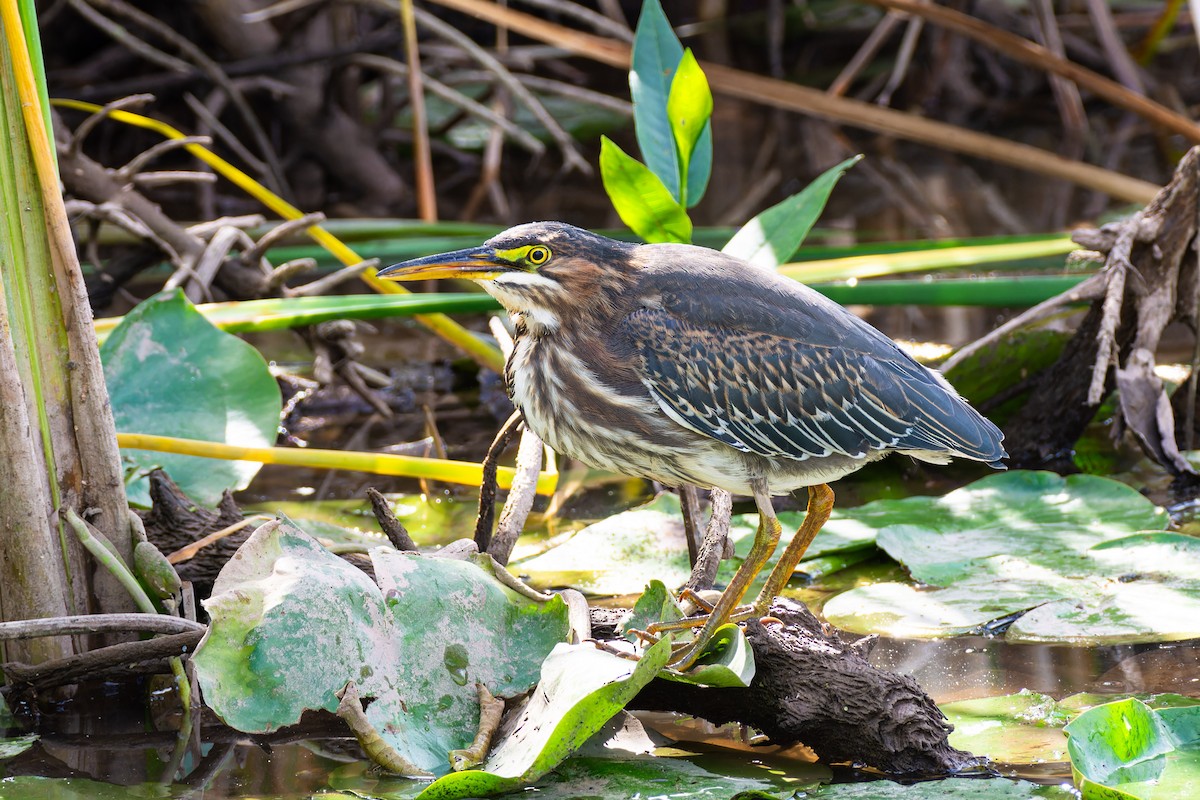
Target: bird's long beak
[[473, 263]]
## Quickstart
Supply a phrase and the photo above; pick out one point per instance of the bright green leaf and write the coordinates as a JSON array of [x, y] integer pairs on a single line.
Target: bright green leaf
[[581, 688], [656, 53], [657, 604], [1122, 743], [728, 661], [689, 107], [171, 372], [640, 198], [772, 237]]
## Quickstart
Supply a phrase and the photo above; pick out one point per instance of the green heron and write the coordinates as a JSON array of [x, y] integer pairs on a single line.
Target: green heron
[[688, 366]]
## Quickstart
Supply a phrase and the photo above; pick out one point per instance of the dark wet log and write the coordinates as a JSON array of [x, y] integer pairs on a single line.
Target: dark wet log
[[812, 687], [175, 520]]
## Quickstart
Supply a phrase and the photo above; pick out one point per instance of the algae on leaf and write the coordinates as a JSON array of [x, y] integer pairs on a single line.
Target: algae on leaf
[[292, 624]]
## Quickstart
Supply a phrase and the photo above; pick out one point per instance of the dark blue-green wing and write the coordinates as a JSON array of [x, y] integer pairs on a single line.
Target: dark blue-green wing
[[776, 396]]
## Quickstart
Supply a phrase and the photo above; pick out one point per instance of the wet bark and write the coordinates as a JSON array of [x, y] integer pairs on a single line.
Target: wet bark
[[812, 687]]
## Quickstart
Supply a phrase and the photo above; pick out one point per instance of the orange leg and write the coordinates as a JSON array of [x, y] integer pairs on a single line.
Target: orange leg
[[820, 504], [765, 540]]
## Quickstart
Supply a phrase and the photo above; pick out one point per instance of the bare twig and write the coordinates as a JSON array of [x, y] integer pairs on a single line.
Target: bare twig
[[328, 282], [521, 495], [1091, 289], [571, 154], [88, 125], [1114, 296], [1039, 57], [422, 159], [97, 623], [450, 95], [119, 34], [908, 45], [866, 51], [137, 163], [280, 232], [392, 528], [487, 484], [274, 174], [188, 552], [714, 544]]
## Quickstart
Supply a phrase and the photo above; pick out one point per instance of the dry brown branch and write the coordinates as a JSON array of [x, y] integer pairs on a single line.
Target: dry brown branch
[[793, 97], [274, 174], [473, 107], [1039, 57]]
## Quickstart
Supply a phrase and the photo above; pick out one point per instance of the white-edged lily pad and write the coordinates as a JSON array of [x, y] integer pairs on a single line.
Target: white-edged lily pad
[[1061, 553], [624, 553], [171, 372], [292, 624], [15, 745]]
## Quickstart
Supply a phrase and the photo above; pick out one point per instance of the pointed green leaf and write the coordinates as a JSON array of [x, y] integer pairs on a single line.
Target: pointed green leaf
[[656, 53], [171, 372], [689, 107], [772, 237], [640, 198]]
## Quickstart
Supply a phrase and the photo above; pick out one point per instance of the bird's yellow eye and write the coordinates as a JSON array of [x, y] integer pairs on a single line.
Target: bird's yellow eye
[[538, 255]]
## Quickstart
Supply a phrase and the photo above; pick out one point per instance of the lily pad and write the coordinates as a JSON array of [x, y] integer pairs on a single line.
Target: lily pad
[[15, 745], [728, 660], [1057, 548], [595, 777], [624, 553], [1028, 727], [292, 624], [171, 372], [581, 688], [618, 555], [968, 789], [1127, 749]]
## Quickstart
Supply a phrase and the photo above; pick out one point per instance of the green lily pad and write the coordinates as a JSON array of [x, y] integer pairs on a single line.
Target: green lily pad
[[968, 789], [31, 787], [728, 661], [624, 553], [657, 604], [292, 624], [173, 373], [1027, 727], [1019, 513], [618, 555], [594, 777], [15, 745], [1057, 551], [1022, 728], [581, 688], [1127, 749]]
